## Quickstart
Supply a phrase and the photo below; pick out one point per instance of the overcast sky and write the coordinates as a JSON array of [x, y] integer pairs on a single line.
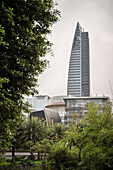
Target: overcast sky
[[96, 17]]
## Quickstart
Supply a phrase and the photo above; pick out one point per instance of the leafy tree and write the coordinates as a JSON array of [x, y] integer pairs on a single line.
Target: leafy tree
[[46, 145], [71, 132], [59, 154], [92, 139], [56, 132], [24, 27], [95, 138], [36, 149], [42, 146], [59, 130], [61, 157], [69, 138]]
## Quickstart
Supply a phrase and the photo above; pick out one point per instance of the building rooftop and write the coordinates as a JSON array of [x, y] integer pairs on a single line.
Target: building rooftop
[[56, 104], [85, 97]]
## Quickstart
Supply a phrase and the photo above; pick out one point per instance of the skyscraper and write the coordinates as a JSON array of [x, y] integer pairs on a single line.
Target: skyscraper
[[78, 74]]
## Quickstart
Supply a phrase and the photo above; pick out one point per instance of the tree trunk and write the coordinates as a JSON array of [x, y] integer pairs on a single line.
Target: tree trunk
[[80, 149], [70, 146], [38, 155], [13, 153]]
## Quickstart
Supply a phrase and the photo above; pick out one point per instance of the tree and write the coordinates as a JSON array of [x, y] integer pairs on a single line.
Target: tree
[[59, 130], [59, 154], [95, 138], [32, 132], [92, 138], [24, 27]]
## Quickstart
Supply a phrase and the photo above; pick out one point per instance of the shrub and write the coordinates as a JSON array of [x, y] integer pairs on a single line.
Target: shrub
[[2, 159]]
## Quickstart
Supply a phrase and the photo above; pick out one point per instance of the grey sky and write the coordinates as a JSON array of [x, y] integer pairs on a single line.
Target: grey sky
[[95, 16]]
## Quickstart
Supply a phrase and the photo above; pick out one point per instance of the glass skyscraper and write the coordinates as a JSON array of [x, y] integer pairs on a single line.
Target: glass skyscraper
[[78, 74]]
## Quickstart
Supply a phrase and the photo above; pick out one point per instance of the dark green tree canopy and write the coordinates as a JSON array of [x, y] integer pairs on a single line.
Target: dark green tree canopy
[[24, 26]]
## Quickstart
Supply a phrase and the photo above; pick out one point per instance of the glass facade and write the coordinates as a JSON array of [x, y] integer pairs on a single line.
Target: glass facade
[[78, 105], [78, 74]]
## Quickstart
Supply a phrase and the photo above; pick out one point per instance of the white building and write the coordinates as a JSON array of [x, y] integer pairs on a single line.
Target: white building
[[78, 105], [38, 102], [57, 104]]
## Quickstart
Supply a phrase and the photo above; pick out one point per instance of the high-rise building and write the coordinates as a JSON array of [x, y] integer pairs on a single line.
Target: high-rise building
[[78, 74]]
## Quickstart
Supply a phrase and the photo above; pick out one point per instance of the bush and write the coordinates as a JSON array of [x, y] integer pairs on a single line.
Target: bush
[[19, 158], [14, 166], [58, 153], [60, 157], [2, 159]]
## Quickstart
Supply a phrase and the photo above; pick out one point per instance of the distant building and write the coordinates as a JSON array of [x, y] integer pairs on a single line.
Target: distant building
[[79, 71], [58, 105], [77, 105], [38, 102], [39, 110], [61, 108], [50, 116]]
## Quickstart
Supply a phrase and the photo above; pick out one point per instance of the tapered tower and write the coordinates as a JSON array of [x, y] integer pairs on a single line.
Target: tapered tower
[[79, 72]]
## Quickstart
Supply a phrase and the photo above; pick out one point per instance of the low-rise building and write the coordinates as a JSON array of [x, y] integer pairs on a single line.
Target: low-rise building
[[65, 106], [38, 102], [50, 116], [57, 104], [78, 105]]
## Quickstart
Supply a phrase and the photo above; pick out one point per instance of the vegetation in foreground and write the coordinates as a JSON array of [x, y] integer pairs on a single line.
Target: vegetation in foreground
[[24, 28], [87, 145]]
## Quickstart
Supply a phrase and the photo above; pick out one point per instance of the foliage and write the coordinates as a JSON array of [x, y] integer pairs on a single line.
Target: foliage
[[95, 140], [58, 153], [59, 131], [2, 159], [45, 146], [31, 132], [24, 27], [91, 142], [61, 157]]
